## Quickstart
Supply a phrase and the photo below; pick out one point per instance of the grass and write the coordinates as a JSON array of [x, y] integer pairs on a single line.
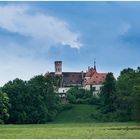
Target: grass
[[73, 123], [71, 130], [78, 113]]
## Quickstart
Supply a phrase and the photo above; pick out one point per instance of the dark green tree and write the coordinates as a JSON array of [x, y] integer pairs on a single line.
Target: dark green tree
[[16, 91], [45, 103], [4, 107], [125, 85], [78, 95], [34, 101], [108, 94], [136, 103]]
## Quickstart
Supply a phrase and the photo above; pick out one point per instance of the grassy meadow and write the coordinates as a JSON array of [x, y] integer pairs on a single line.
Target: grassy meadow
[[71, 130], [73, 123]]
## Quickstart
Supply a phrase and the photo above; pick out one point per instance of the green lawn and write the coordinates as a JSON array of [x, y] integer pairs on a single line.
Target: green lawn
[[77, 130]]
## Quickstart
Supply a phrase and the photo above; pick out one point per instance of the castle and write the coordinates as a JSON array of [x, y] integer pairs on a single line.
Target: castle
[[86, 80]]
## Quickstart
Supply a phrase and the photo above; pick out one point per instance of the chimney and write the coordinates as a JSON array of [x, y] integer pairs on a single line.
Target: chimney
[[58, 67]]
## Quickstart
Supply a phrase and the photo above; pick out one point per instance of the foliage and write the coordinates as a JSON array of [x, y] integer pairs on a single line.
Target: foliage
[[16, 91], [108, 94], [136, 103], [32, 102], [35, 101], [77, 95], [67, 107], [125, 89], [120, 99], [4, 107]]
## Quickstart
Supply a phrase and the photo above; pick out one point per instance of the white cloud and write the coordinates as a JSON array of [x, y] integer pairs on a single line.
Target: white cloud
[[39, 26]]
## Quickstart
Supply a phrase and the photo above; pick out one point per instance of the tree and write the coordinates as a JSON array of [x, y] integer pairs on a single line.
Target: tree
[[16, 91], [125, 85], [136, 97], [136, 103], [33, 101], [108, 94], [4, 107], [43, 100], [78, 95]]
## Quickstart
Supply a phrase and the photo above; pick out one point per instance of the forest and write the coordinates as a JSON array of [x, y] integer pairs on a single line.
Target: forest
[[36, 101]]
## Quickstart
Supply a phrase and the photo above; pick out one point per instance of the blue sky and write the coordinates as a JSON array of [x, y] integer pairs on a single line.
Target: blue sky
[[35, 34]]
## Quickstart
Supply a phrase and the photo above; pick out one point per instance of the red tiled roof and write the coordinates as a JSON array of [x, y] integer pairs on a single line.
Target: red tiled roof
[[90, 72], [94, 78]]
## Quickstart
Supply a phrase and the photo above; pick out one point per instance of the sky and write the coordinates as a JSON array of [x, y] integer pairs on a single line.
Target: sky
[[35, 34]]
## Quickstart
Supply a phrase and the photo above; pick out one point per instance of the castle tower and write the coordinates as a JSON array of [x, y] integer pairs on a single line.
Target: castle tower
[[58, 67]]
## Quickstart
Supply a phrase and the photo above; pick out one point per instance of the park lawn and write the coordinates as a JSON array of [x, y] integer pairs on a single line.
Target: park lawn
[[71, 130]]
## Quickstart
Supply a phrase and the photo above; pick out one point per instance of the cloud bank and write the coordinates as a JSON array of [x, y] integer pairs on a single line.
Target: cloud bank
[[25, 36], [39, 26]]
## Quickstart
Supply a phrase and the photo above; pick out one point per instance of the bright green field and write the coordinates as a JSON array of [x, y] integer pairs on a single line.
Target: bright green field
[[77, 130], [73, 123]]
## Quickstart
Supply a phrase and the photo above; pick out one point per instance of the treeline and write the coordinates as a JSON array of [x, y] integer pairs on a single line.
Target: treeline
[[32, 101], [119, 100], [36, 100]]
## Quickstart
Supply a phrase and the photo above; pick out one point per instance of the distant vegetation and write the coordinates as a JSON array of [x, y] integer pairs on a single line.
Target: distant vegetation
[[119, 100], [32, 101], [77, 95], [35, 101]]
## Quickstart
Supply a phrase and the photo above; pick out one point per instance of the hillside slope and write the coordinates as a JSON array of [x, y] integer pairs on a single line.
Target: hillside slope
[[78, 113]]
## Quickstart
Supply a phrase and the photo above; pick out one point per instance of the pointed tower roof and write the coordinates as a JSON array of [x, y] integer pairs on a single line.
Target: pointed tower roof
[[94, 64]]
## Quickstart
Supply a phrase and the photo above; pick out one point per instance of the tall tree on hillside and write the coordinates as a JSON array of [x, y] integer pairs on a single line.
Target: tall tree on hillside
[[16, 91], [136, 103], [108, 94], [51, 98], [4, 107], [36, 107], [44, 101], [136, 97], [125, 84]]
